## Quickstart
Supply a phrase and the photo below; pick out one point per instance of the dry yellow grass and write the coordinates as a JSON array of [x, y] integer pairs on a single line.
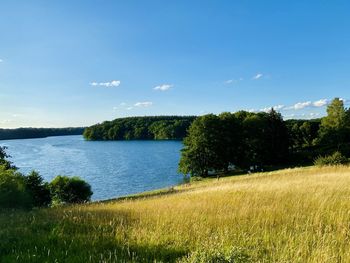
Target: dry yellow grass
[[292, 215]]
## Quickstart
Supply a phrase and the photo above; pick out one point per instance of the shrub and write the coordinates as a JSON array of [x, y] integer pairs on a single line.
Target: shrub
[[66, 189], [13, 191], [38, 189], [335, 159]]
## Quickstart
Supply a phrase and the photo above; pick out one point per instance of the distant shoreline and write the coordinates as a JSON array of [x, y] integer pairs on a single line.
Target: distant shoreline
[[37, 133]]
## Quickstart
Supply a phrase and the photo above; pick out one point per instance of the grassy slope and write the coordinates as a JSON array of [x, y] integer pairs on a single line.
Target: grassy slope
[[296, 215]]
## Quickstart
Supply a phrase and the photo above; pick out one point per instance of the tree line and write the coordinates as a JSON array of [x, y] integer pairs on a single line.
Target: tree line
[[141, 128], [27, 133], [216, 143]]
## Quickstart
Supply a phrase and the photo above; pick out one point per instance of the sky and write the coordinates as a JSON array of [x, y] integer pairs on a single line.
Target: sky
[[77, 63]]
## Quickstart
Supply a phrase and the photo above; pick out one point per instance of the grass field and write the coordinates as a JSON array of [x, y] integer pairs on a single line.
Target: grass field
[[292, 215]]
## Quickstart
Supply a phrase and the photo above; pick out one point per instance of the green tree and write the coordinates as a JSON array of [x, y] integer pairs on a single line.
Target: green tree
[[231, 146], [335, 127], [13, 191], [66, 189], [306, 134], [201, 147], [276, 139], [38, 189]]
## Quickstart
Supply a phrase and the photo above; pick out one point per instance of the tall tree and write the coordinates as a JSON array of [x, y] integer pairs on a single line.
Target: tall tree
[[231, 146], [276, 139], [335, 127], [201, 147]]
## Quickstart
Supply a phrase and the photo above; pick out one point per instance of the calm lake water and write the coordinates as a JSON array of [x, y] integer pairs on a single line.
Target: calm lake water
[[113, 169]]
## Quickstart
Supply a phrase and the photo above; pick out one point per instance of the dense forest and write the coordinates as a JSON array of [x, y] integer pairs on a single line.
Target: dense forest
[[141, 128], [27, 133], [245, 140]]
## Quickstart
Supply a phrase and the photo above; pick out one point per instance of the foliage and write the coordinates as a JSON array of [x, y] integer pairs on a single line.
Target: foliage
[[20, 191], [13, 191], [231, 147], [265, 139], [26, 133], [38, 189], [66, 189], [302, 133], [335, 127], [141, 128], [4, 159], [335, 159], [201, 147], [214, 143]]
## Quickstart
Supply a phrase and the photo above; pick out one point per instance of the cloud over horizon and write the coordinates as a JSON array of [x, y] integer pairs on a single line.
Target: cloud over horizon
[[143, 104], [299, 106], [163, 87], [113, 83], [307, 104]]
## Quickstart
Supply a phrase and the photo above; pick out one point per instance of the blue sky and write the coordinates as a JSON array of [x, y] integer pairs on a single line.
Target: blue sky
[[76, 63]]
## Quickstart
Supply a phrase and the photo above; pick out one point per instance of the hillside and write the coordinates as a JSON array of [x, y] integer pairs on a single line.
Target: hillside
[[292, 215]]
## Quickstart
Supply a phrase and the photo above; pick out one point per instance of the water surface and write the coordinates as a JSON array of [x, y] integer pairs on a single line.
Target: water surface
[[113, 168]]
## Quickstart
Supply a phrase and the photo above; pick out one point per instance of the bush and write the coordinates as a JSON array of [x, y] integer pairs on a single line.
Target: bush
[[335, 159], [13, 191], [66, 189], [38, 189]]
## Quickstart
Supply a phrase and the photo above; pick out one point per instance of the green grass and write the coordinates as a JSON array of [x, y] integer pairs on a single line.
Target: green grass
[[292, 215]]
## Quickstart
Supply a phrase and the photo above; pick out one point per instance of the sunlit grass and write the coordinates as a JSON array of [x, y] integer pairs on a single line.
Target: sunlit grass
[[293, 215]]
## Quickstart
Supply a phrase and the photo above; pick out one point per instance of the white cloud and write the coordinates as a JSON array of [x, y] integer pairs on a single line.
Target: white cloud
[[307, 104], [299, 105], [1, 60], [320, 103], [143, 104], [125, 106], [230, 81], [267, 109], [279, 107], [258, 76], [113, 83], [163, 87]]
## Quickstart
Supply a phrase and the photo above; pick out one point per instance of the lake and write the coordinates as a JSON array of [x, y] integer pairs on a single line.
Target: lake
[[112, 168]]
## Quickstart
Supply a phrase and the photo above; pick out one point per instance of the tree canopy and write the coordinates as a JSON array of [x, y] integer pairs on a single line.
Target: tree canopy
[[245, 139], [141, 128]]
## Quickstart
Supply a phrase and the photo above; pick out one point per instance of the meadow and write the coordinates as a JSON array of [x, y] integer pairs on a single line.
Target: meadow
[[291, 215]]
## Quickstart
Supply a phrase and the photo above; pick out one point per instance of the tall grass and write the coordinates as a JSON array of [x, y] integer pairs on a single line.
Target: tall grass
[[293, 215]]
